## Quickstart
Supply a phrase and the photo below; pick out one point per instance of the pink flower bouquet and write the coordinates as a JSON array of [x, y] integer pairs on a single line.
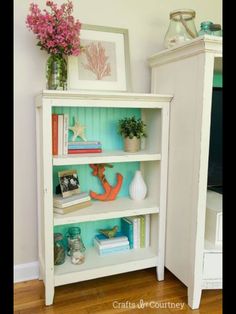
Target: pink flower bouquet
[[59, 34], [57, 31]]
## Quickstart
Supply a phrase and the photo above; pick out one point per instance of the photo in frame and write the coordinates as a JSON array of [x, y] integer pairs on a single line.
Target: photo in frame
[[104, 63], [69, 182]]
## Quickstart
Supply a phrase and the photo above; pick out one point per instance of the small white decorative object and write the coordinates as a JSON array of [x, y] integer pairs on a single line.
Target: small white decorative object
[[137, 188]]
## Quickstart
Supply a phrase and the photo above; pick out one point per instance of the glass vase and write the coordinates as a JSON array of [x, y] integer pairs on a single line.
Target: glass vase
[[56, 72]]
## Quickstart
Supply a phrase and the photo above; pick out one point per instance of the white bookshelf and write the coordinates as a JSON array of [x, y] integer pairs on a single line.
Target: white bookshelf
[[153, 157]]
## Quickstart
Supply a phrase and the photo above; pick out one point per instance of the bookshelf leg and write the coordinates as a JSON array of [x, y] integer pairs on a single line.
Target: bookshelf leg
[[49, 295], [40, 274], [160, 273], [194, 297], [40, 271]]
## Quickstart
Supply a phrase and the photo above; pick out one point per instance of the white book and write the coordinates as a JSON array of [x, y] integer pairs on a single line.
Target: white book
[[60, 134], [69, 209], [65, 134], [147, 230], [62, 202], [134, 220], [110, 245]]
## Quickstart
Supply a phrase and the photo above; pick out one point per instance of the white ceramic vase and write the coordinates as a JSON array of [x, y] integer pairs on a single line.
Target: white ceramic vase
[[137, 188]]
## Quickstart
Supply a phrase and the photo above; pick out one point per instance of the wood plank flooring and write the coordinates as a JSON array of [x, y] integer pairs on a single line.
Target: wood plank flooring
[[115, 294]]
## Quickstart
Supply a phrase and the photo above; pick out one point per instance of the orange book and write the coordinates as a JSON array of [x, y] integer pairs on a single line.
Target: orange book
[[54, 134]]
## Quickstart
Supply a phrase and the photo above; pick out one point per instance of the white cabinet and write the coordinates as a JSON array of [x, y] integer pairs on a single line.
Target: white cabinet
[[186, 71], [152, 161], [214, 216]]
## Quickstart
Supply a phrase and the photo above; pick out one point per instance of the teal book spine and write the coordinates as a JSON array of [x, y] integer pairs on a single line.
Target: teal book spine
[[81, 146], [114, 249], [127, 229]]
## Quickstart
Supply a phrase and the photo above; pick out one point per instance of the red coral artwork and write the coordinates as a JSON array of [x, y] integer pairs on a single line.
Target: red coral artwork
[[97, 60]]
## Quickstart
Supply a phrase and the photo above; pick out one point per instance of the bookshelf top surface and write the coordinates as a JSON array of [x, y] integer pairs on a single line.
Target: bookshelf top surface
[[98, 95], [206, 43]]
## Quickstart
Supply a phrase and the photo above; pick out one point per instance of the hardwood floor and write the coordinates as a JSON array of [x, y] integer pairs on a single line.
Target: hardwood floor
[[104, 294]]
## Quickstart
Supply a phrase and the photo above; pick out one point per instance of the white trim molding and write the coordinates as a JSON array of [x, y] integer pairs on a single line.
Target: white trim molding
[[201, 44], [28, 271]]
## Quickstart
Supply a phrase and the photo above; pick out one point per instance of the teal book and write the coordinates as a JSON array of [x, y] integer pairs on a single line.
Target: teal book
[[135, 222], [102, 239], [127, 229], [111, 250], [82, 146]]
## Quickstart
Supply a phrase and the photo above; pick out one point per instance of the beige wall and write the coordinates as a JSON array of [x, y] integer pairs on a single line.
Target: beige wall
[[147, 22]]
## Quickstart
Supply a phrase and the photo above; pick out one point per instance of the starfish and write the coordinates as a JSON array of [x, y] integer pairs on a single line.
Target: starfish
[[78, 130]]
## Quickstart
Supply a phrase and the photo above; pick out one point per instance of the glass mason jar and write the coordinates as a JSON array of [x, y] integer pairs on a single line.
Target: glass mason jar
[[181, 27], [76, 248], [216, 30], [210, 28], [59, 249], [205, 28], [57, 72]]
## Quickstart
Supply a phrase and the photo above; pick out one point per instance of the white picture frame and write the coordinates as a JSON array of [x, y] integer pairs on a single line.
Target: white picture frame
[[104, 63]]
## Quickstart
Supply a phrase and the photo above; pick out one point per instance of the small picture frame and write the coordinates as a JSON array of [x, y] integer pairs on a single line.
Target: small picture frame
[[69, 182], [104, 63]]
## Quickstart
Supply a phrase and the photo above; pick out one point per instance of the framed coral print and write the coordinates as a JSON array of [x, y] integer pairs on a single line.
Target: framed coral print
[[104, 63]]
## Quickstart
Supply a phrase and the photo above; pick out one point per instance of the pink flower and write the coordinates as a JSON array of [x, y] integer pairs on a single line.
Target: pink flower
[[57, 31]]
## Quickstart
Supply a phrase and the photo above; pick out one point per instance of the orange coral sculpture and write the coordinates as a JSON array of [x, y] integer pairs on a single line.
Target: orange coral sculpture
[[110, 191]]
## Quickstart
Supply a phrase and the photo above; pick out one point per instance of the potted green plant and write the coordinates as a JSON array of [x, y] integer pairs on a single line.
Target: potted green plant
[[132, 130]]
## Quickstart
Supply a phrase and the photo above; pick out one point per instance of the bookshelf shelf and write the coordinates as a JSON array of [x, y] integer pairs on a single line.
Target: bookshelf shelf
[[96, 266], [106, 156], [100, 113], [122, 207]]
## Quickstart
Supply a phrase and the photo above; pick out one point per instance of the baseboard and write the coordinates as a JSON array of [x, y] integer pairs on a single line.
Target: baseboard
[[28, 271]]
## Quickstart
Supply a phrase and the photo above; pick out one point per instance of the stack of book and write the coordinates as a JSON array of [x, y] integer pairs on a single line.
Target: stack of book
[[60, 124], [84, 147], [137, 229], [117, 244], [64, 205]]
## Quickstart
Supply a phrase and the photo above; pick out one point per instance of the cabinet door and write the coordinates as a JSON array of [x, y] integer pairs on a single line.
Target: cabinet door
[[212, 266]]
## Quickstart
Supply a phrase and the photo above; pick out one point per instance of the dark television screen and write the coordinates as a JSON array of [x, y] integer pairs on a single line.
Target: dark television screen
[[215, 165]]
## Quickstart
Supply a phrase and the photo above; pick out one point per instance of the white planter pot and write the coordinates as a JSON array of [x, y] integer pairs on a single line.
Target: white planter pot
[[137, 188]]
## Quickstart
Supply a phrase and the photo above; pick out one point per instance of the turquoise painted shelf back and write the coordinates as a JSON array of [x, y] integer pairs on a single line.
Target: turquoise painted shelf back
[[101, 125], [89, 229], [89, 182]]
